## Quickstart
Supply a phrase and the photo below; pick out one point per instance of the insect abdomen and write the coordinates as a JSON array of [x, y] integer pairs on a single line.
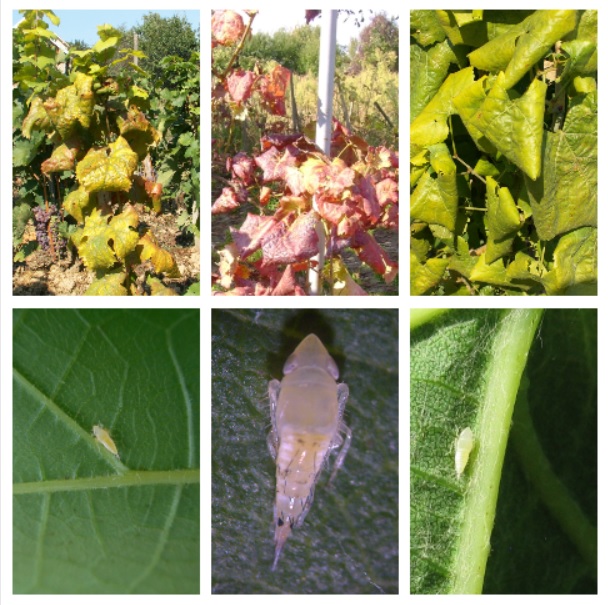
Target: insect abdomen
[[464, 446]]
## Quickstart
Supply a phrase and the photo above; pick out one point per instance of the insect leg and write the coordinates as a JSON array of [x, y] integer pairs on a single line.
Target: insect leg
[[274, 388], [348, 435], [342, 399]]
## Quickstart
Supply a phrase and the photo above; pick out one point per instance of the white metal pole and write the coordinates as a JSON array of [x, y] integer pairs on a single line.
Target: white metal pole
[[327, 68]]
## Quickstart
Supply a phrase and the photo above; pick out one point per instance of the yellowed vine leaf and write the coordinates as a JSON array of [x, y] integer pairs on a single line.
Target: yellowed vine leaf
[[162, 261], [108, 168]]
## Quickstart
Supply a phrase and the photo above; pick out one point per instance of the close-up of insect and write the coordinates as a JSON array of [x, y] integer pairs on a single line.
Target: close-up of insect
[[104, 438], [306, 410], [464, 446]]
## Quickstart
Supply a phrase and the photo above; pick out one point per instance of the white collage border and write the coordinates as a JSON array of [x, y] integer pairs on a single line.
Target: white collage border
[[206, 302]]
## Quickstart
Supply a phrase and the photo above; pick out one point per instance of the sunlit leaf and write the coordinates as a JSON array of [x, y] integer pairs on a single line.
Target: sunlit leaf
[[227, 27], [109, 168], [138, 132], [289, 243], [565, 198], [162, 260], [77, 203], [111, 284], [430, 126], [157, 288], [435, 199], [502, 220], [575, 264], [73, 105], [424, 276], [63, 157], [516, 51], [36, 119], [428, 69], [513, 124], [94, 247]]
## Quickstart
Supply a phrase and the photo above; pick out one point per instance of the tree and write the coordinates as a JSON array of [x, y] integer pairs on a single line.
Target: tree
[[379, 38], [297, 50], [159, 38]]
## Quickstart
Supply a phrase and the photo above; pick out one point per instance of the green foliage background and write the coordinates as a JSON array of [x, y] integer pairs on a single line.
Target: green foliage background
[[160, 38], [349, 541], [503, 152], [83, 521]]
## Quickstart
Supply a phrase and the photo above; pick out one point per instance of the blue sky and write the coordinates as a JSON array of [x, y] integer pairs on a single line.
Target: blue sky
[[82, 24]]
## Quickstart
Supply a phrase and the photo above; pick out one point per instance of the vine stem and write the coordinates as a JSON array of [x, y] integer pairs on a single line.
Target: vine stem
[[239, 48], [469, 169], [455, 155]]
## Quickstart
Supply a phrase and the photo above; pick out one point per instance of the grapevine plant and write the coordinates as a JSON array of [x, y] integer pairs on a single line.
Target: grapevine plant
[[92, 121], [503, 152], [175, 106], [292, 190]]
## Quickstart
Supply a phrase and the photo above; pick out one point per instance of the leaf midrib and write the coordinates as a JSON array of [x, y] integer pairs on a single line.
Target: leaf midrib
[[128, 479]]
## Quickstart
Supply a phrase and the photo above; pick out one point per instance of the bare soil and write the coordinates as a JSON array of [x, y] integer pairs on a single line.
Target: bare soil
[[42, 275]]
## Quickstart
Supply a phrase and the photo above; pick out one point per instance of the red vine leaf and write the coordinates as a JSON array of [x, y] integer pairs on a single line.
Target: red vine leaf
[[291, 244], [227, 27], [287, 285], [274, 163], [240, 85], [272, 87], [370, 252], [242, 167], [226, 202], [311, 15], [387, 191], [249, 237], [331, 179]]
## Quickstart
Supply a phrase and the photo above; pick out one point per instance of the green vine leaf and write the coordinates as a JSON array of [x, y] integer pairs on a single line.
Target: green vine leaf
[[84, 521], [517, 50], [435, 199], [428, 69], [431, 127], [575, 270], [497, 529], [503, 220], [566, 196], [514, 125]]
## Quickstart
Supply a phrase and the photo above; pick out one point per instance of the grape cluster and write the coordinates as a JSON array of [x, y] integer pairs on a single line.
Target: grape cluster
[[47, 223]]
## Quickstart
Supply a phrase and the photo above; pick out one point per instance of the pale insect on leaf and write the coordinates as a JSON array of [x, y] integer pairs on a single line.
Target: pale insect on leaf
[[104, 438], [464, 446]]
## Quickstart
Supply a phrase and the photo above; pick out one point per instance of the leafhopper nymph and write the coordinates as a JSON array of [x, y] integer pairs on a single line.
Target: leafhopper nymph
[[464, 446], [306, 410], [104, 438]]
